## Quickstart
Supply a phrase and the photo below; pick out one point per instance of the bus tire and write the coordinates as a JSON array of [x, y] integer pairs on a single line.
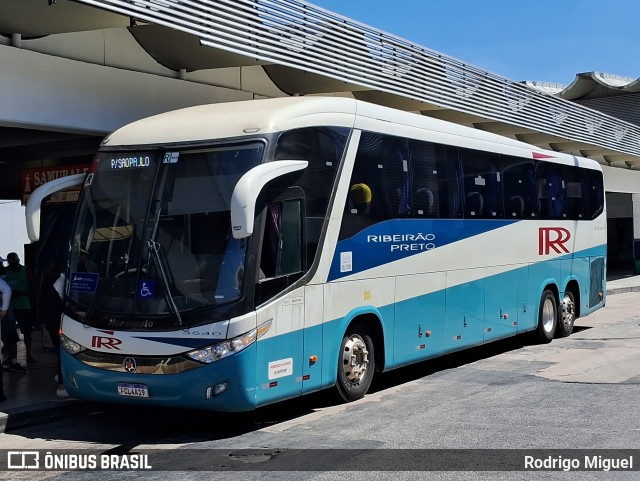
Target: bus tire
[[567, 315], [547, 316], [356, 363]]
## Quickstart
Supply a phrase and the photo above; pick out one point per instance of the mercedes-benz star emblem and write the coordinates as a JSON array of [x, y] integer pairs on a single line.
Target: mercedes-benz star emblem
[[129, 364]]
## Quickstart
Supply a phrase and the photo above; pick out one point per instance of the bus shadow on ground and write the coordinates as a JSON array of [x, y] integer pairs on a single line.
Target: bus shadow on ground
[[456, 359], [105, 424], [291, 409], [298, 407]]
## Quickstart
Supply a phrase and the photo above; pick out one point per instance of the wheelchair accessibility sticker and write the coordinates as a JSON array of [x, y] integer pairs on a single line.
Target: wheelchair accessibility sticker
[[146, 289]]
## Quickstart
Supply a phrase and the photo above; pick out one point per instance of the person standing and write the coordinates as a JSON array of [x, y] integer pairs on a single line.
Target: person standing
[[9, 334], [5, 291], [51, 288], [85, 264], [21, 281]]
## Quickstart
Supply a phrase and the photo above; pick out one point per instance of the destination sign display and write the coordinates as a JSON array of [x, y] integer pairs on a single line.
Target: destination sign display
[[130, 162]]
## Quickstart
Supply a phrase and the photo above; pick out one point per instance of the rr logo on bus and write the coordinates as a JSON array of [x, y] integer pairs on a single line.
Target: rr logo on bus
[[107, 342], [553, 239]]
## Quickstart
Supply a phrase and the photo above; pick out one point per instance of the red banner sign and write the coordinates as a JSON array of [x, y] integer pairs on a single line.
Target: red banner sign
[[34, 178]]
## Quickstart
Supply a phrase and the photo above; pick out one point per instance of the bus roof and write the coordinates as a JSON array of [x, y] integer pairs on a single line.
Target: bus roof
[[255, 117], [235, 119]]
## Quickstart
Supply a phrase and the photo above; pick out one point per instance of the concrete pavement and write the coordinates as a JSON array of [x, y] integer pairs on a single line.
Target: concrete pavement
[[32, 396]]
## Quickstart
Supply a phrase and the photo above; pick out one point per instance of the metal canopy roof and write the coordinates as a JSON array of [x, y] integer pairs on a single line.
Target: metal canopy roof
[[36, 18], [305, 49], [590, 85]]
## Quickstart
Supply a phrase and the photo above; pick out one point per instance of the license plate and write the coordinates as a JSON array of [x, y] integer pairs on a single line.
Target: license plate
[[133, 390]]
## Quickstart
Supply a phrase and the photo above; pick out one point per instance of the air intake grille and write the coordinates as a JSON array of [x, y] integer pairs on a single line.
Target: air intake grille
[[138, 364]]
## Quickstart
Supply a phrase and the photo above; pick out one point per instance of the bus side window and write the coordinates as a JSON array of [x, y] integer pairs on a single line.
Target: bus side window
[[436, 183], [576, 204], [323, 148], [424, 170], [482, 184], [551, 191], [382, 163], [519, 188], [366, 202], [282, 246], [397, 182], [289, 259], [594, 192], [357, 214], [281, 257]]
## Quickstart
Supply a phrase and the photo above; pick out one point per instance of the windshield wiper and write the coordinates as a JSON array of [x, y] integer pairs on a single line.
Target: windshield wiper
[[154, 252], [108, 283]]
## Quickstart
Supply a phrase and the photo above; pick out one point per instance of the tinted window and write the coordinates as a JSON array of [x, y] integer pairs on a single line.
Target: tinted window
[[323, 148], [576, 204], [402, 178], [382, 171], [437, 189], [551, 191], [482, 184], [594, 192], [519, 188]]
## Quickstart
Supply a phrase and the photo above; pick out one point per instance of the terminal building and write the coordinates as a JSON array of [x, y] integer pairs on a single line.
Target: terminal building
[[73, 71]]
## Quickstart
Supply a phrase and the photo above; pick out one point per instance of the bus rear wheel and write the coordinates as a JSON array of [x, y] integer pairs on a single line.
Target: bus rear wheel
[[547, 316], [355, 363], [567, 315]]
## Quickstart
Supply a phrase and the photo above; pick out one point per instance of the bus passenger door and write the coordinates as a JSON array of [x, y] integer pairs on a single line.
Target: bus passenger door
[[279, 356], [502, 304]]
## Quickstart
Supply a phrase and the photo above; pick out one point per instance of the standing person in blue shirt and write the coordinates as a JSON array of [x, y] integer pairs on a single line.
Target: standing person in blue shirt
[[5, 291], [22, 287]]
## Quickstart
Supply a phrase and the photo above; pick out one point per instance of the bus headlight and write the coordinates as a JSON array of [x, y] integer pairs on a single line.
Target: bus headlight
[[223, 349], [71, 346]]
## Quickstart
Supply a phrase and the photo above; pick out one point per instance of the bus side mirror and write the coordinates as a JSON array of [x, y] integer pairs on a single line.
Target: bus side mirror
[[248, 188], [32, 209]]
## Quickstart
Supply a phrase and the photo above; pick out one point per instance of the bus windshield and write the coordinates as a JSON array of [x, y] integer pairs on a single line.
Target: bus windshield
[[153, 233]]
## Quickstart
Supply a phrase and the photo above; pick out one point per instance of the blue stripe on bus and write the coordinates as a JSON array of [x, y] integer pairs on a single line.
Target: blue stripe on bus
[[427, 326], [469, 314], [397, 239], [415, 329]]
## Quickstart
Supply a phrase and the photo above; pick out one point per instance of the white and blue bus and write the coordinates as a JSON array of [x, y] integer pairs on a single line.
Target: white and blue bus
[[228, 256]]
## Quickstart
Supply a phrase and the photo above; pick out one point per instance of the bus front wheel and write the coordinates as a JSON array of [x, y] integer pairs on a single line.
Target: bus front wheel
[[356, 363], [547, 316]]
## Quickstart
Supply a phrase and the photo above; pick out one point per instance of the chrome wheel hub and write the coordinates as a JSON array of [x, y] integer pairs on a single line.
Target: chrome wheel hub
[[355, 359], [568, 311]]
